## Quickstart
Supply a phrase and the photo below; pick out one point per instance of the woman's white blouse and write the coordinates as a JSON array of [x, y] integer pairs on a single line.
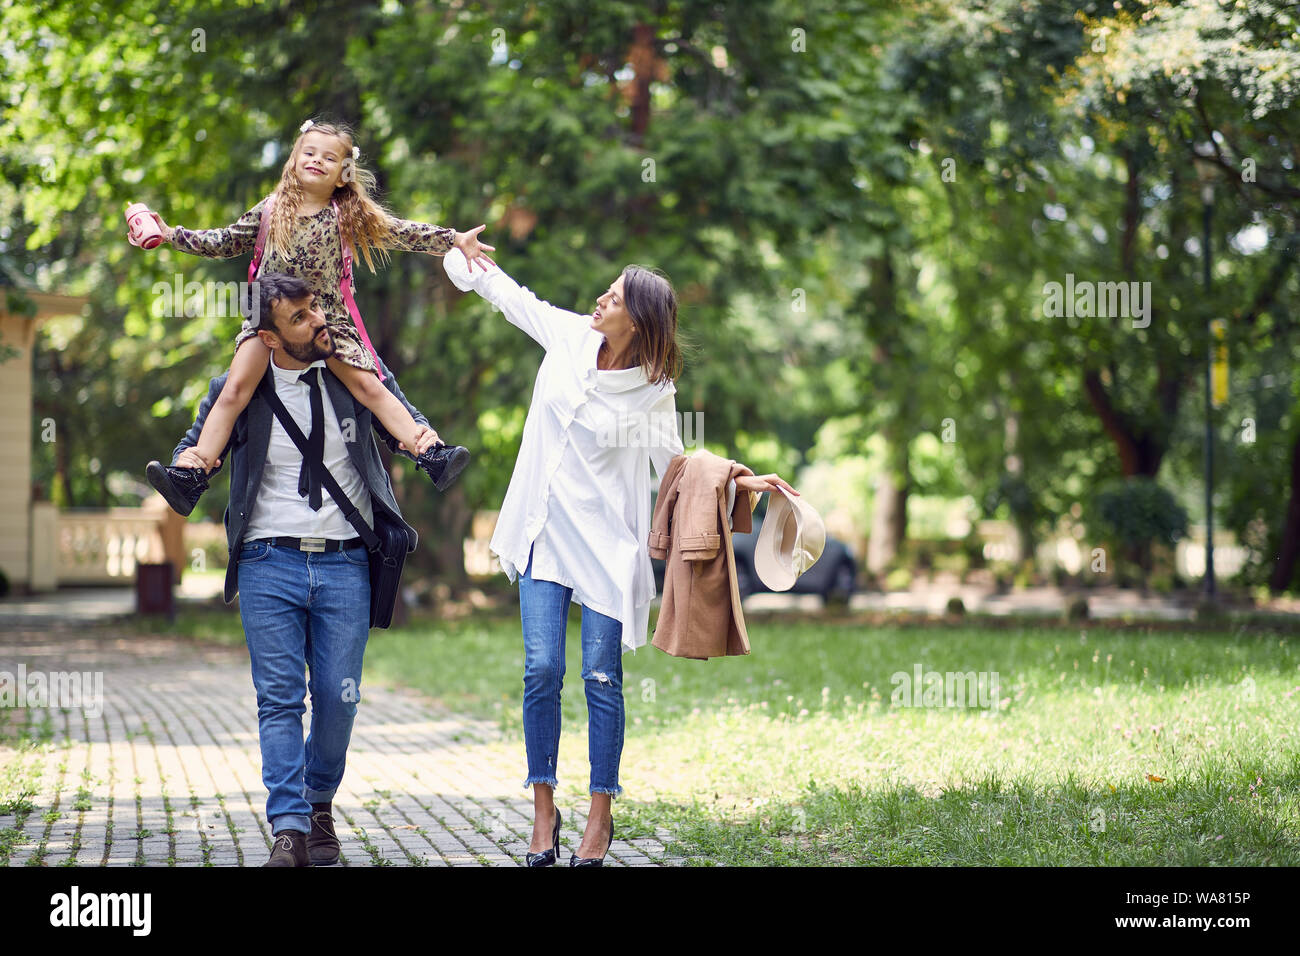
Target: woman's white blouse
[[580, 493]]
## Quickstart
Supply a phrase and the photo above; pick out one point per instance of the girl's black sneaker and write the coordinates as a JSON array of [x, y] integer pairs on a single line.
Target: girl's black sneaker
[[181, 487], [443, 463]]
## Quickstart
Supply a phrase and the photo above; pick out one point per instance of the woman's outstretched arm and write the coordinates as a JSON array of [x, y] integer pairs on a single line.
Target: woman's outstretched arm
[[547, 324]]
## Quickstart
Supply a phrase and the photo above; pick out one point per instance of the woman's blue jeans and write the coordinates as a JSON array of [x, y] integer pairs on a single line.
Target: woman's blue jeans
[[304, 610], [544, 612]]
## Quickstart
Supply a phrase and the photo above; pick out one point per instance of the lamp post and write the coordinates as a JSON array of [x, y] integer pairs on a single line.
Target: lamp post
[[1205, 172]]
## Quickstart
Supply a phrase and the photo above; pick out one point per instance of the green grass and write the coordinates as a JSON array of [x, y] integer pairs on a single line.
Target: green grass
[[797, 755], [21, 767]]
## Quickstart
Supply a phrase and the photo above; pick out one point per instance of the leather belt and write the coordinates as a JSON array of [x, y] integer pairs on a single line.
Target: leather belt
[[317, 545]]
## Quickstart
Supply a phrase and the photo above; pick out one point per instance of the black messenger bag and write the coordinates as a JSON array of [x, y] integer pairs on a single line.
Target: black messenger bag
[[387, 542]]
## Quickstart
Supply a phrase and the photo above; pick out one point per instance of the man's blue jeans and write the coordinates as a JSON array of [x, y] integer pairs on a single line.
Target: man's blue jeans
[[299, 609], [544, 612]]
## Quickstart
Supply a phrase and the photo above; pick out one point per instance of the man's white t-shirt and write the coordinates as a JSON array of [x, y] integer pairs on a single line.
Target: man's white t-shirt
[[278, 510]]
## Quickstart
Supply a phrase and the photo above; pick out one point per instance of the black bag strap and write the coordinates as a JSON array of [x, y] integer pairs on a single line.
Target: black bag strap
[[327, 481]]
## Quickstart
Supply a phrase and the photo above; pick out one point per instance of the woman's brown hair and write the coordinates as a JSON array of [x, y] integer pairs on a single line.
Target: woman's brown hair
[[363, 220], [652, 303]]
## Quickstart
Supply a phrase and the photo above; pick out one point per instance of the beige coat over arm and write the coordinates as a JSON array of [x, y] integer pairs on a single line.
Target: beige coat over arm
[[700, 615]]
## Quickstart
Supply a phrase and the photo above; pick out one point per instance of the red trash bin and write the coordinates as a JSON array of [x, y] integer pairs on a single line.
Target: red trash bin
[[153, 589]]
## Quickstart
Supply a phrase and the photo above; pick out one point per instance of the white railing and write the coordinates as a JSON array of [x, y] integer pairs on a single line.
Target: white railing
[[104, 546]]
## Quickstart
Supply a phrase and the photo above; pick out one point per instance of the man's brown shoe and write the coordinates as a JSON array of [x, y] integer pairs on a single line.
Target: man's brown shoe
[[322, 843], [289, 849]]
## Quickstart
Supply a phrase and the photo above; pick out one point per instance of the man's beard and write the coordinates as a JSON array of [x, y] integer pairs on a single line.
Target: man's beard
[[313, 350]]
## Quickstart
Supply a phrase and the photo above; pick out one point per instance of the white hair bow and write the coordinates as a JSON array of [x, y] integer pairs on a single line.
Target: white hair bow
[[306, 126], [356, 153]]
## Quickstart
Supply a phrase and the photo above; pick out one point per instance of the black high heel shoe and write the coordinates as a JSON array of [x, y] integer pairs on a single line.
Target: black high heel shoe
[[547, 857], [576, 860]]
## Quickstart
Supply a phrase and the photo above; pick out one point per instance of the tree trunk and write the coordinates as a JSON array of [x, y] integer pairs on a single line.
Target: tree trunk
[[889, 510], [1020, 505], [1027, 544], [448, 542], [61, 493], [644, 66], [1289, 549], [1140, 452], [1141, 448]]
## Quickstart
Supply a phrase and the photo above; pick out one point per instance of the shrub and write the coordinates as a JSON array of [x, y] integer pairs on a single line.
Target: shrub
[[1134, 514], [899, 579], [1208, 609], [958, 563], [1003, 575]]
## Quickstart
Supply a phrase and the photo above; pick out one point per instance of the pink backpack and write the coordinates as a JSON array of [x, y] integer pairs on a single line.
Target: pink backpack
[[346, 288]]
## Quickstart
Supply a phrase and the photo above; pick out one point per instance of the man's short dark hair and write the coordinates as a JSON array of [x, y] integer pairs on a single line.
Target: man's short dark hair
[[269, 288]]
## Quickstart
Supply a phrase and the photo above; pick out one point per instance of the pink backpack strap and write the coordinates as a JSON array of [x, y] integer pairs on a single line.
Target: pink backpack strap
[[346, 290], [263, 230]]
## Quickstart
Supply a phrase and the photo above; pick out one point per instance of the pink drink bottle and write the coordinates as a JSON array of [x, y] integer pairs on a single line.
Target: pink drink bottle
[[142, 228]]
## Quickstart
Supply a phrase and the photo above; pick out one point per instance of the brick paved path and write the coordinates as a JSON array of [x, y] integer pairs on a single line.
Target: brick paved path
[[170, 774]]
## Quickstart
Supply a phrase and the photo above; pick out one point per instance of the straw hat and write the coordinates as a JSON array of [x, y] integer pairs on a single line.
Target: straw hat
[[791, 541]]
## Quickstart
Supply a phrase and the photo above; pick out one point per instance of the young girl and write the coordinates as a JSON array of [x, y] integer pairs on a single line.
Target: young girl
[[323, 195]]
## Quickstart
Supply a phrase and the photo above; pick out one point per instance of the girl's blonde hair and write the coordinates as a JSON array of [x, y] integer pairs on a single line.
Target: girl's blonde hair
[[362, 219]]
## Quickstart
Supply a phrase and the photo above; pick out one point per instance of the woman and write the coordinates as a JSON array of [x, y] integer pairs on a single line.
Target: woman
[[576, 518]]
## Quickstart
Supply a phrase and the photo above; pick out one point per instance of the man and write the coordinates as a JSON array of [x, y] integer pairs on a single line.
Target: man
[[300, 569]]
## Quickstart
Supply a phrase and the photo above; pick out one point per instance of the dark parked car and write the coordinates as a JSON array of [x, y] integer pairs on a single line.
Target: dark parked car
[[833, 576]]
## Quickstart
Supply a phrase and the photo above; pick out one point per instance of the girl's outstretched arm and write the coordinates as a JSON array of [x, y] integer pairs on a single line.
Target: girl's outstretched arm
[[246, 371], [234, 240], [412, 236]]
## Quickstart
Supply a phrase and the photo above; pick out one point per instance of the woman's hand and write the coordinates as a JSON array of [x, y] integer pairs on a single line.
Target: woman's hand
[[761, 483], [467, 242]]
